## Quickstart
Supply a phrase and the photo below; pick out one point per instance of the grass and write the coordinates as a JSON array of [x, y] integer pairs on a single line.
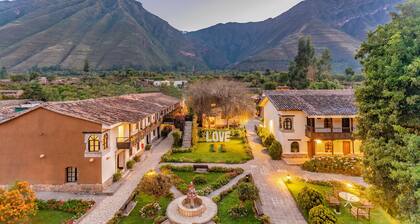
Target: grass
[[236, 152], [142, 200], [50, 217], [378, 215], [228, 202], [187, 177]]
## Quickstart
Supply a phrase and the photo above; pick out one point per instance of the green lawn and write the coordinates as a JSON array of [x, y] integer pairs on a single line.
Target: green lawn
[[228, 202], [50, 217], [236, 152], [187, 177], [142, 200], [378, 215]]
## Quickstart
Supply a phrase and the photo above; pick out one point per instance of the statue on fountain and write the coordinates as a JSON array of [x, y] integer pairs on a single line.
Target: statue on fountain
[[191, 195]]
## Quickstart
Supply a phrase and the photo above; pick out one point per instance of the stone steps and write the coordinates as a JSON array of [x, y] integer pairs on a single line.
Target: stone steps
[[187, 137]]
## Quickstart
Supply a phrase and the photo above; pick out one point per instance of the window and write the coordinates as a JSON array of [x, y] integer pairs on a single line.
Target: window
[[328, 147], [288, 124], [71, 174], [280, 125], [105, 141], [294, 147], [328, 123], [93, 143]]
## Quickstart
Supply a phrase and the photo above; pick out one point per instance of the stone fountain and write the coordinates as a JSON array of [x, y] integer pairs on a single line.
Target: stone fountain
[[191, 209]]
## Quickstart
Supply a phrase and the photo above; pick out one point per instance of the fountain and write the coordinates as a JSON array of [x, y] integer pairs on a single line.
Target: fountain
[[191, 208]]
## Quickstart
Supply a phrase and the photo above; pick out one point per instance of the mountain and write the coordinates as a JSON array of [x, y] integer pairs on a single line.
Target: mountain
[[107, 33], [121, 33], [339, 25]]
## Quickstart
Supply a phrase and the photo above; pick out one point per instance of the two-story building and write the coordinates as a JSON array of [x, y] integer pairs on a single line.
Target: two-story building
[[312, 122], [79, 145]]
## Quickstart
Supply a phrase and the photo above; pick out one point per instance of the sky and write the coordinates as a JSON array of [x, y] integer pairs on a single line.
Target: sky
[[191, 15]]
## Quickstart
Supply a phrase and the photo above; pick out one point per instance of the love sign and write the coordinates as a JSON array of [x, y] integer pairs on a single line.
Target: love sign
[[217, 136]]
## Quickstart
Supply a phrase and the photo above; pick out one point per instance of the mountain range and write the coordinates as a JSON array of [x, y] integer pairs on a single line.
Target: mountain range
[[121, 33]]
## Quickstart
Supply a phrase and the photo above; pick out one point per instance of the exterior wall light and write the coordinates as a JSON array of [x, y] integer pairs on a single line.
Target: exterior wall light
[[91, 160], [42, 156], [318, 141]]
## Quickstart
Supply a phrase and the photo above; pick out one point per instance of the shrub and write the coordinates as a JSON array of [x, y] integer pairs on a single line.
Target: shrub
[[222, 148], [335, 164], [181, 150], [17, 203], [264, 219], [268, 140], [247, 192], [130, 164], [166, 130], [136, 158], [212, 148], [321, 215], [117, 176], [238, 211], [309, 198], [177, 138], [155, 184], [150, 210], [199, 179], [148, 147], [221, 181], [77, 207], [275, 150]]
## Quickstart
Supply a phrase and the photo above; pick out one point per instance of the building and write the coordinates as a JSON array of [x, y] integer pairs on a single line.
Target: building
[[308, 123], [79, 145], [11, 93]]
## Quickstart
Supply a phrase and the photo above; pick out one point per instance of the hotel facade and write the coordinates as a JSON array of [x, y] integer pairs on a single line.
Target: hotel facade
[[311, 123], [79, 145]]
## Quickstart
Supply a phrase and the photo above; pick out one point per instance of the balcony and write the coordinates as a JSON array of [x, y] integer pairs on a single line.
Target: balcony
[[331, 134], [123, 143]]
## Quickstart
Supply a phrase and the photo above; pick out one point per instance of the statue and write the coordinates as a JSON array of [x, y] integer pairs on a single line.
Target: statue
[[191, 195]]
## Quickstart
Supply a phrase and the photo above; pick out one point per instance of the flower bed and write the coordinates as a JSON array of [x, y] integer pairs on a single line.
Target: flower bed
[[205, 182], [71, 210], [335, 164]]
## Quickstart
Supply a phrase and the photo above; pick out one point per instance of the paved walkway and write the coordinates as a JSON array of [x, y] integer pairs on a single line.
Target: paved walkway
[[105, 209]]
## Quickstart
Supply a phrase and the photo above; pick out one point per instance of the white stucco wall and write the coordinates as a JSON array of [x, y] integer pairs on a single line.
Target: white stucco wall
[[108, 159], [286, 137]]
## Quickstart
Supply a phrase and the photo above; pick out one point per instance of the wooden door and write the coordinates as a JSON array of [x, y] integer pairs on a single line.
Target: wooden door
[[346, 147], [311, 149]]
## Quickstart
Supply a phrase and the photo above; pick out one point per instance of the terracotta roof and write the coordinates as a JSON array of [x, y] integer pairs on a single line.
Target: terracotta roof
[[112, 110], [315, 102]]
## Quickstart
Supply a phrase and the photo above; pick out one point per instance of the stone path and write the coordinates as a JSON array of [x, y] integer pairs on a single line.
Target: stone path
[[105, 209], [186, 140]]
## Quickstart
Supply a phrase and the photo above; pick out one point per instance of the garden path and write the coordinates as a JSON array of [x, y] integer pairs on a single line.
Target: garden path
[[105, 209]]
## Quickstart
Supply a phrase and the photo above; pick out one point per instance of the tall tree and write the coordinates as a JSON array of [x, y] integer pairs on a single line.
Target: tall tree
[[3, 72], [298, 69], [389, 105], [349, 72], [324, 67], [86, 66]]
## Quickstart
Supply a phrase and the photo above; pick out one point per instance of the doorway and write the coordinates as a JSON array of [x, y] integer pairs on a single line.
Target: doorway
[[121, 160], [346, 147], [311, 149]]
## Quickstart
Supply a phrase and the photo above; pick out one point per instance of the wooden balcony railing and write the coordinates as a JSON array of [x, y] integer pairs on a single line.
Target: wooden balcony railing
[[123, 143], [345, 133]]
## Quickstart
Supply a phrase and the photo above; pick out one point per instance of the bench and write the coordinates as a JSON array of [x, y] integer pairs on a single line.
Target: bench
[[258, 208], [200, 168]]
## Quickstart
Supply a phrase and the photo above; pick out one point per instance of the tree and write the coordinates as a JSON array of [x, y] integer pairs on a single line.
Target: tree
[[389, 106], [231, 97], [35, 91], [247, 192], [155, 184], [324, 66], [349, 72], [298, 69], [321, 215], [270, 85], [3, 72], [17, 203], [86, 67]]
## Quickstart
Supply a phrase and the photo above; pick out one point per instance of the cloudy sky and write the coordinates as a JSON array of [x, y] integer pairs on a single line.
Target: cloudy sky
[[190, 15]]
